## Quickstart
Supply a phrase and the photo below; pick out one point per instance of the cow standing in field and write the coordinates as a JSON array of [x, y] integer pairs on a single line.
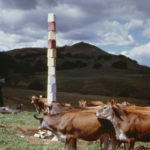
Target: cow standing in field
[[39, 103], [130, 124], [55, 108], [72, 125]]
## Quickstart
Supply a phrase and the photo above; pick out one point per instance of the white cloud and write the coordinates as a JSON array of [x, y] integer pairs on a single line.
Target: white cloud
[[112, 52], [12, 41], [124, 53], [68, 11], [7, 41], [98, 22], [114, 33], [146, 31], [133, 23], [140, 53]]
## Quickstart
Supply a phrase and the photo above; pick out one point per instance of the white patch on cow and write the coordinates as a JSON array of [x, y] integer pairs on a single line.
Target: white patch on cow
[[97, 114], [122, 136], [109, 118], [61, 136]]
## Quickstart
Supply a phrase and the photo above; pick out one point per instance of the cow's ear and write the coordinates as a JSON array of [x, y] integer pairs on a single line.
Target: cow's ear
[[111, 102], [38, 117], [117, 113]]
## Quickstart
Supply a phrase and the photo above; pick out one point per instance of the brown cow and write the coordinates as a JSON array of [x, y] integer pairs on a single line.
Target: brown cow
[[9, 110], [137, 108], [130, 126], [84, 103], [39, 103], [56, 108], [72, 125]]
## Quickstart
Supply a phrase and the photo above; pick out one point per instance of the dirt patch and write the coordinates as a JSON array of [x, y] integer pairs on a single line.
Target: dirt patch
[[142, 148], [28, 134], [27, 131], [2, 126]]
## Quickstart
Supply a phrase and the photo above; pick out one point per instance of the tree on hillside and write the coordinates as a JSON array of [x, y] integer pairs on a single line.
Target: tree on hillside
[[1, 96]]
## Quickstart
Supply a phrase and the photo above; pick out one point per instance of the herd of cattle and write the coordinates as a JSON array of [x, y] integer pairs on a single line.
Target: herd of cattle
[[112, 123]]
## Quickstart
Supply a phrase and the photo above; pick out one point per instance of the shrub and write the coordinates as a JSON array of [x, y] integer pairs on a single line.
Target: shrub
[[67, 55], [71, 65], [40, 66], [104, 57], [97, 66], [120, 64], [36, 85], [80, 64]]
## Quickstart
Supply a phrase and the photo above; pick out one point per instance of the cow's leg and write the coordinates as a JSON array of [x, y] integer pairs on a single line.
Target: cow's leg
[[132, 141], [100, 143], [36, 108], [70, 143], [39, 110], [73, 144], [126, 145], [106, 143], [113, 143], [67, 144]]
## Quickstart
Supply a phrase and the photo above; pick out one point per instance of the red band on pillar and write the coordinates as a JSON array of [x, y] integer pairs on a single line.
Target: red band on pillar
[[51, 26], [52, 44]]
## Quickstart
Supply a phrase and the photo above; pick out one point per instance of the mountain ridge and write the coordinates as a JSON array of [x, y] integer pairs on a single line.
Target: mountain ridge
[[78, 56]]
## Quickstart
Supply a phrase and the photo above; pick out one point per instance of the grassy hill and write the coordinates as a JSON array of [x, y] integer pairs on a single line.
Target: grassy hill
[[81, 68], [78, 56], [83, 72]]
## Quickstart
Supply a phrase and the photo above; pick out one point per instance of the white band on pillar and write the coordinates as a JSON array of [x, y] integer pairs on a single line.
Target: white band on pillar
[[51, 17], [51, 35]]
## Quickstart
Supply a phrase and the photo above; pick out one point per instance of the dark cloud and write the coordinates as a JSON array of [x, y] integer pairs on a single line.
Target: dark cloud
[[75, 19], [20, 4], [143, 6]]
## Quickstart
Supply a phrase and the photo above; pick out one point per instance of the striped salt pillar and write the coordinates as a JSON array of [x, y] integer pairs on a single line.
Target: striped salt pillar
[[51, 59]]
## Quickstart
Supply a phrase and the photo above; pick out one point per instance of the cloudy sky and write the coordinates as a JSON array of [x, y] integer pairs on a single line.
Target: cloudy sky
[[116, 26]]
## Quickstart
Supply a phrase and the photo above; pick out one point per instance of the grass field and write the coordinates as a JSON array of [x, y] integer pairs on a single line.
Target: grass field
[[89, 82], [16, 96], [17, 130]]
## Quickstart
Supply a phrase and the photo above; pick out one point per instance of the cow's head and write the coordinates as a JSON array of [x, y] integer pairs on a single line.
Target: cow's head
[[105, 112], [34, 99], [125, 103], [110, 111], [43, 123], [82, 103]]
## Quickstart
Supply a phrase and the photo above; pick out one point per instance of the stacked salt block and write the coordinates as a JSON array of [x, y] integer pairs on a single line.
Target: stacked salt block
[[51, 59]]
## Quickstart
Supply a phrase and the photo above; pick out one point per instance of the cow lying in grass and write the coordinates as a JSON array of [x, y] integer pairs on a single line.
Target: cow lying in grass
[[131, 123], [39, 103], [84, 103], [72, 125], [8, 110]]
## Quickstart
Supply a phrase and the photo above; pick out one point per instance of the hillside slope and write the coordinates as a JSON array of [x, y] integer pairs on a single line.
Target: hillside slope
[[81, 68], [78, 56]]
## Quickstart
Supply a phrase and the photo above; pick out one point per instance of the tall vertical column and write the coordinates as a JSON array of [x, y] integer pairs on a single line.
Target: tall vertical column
[[51, 59]]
